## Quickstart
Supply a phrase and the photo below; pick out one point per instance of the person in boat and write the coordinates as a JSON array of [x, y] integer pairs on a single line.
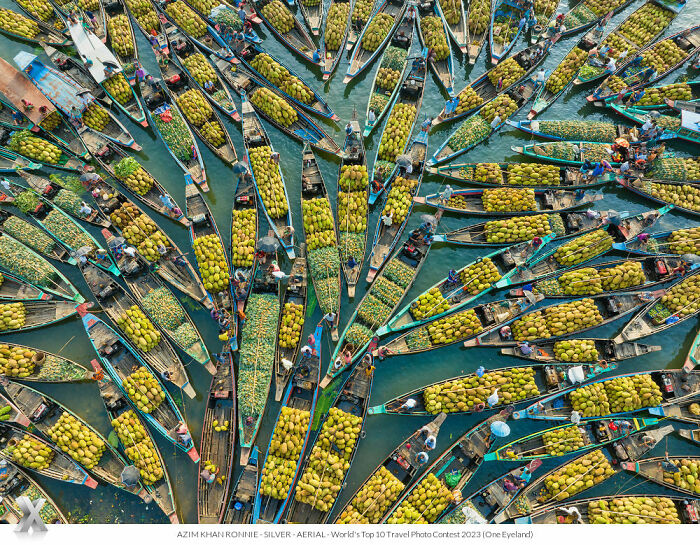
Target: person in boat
[[275, 157], [668, 465], [388, 219], [418, 64], [371, 116], [316, 57], [208, 476], [451, 105], [575, 417], [288, 232], [611, 67], [183, 434], [247, 27], [682, 269], [510, 486], [330, 318], [422, 458], [369, 370], [17, 117], [495, 122], [242, 14], [377, 186], [409, 404], [347, 356], [446, 194], [352, 263], [92, 21], [506, 332], [452, 277], [28, 106], [525, 348], [572, 512], [84, 209], [348, 129], [402, 40]]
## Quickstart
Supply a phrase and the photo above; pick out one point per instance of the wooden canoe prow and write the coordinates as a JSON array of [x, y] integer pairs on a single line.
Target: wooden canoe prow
[[15, 87]]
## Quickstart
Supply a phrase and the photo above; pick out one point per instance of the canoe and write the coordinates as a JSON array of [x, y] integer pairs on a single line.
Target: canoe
[[537, 496], [74, 69], [399, 468], [240, 504], [312, 13], [544, 14], [655, 96], [117, 12], [202, 8], [361, 58], [474, 280], [295, 293], [610, 308], [681, 125], [60, 466], [180, 142], [486, 315], [10, 162], [527, 59], [664, 243], [476, 129], [299, 400], [183, 277], [303, 128], [691, 435], [19, 484], [558, 514], [255, 136], [504, 30], [244, 211], [461, 460], [247, 52], [44, 33], [330, 55], [179, 83], [44, 413], [53, 18], [53, 282], [637, 74], [581, 17], [381, 301], [187, 57], [115, 301], [146, 18], [118, 359], [15, 289], [691, 359], [651, 470], [394, 58], [478, 13], [571, 129], [66, 161], [99, 28], [357, 22], [570, 152], [34, 237], [217, 443], [13, 414], [351, 403], [674, 384], [457, 30], [117, 406], [683, 410], [569, 439], [663, 13], [387, 236], [325, 279], [296, 39], [653, 317], [567, 177], [410, 95], [48, 368], [540, 380]]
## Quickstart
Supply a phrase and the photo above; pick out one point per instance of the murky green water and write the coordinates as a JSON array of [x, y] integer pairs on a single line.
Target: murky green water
[[393, 376]]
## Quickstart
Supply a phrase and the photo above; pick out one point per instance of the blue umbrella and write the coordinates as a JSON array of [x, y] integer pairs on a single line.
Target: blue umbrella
[[500, 429]]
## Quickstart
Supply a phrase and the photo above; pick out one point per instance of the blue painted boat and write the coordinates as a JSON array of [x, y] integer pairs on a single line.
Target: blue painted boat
[[657, 244], [578, 18], [42, 313], [296, 39], [554, 129], [457, 31], [694, 96], [442, 68], [330, 58], [239, 509], [646, 188], [505, 28], [681, 124]]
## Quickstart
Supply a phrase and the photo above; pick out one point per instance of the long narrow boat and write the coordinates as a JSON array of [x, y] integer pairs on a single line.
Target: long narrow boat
[[291, 322], [471, 322], [321, 240], [312, 13], [359, 18], [665, 386], [454, 17], [245, 227], [332, 45], [389, 12], [136, 443], [122, 40], [295, 38], [461, 460], [655, 97], [45, 413], [381, 300], [544, 13], [120, 361], [240, 505], [652, 470], [404, 188], [572, 129], [218, 443], [569, 439], [98, 27], [146, 18], [567, 152], [13, 288], [302, 128], [396, 472], [505, 28], [581, 16], [682, 410], [298, 406], [45, 367], [18, 484], [32, 30], [74, 69], [691, 360], [118, 305], [478, 19], [682, 125], [34, 237], [179, 142], [222, 12], [45, 12], [258, 144], [691, 435], [678, 242], [16, 140], [351, 405], [441, 61], [12, 163]]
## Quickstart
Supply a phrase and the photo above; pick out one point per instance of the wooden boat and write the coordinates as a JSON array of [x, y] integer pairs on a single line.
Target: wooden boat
[[558, 514], [44, 412], [15, 289], [312, 15], [584, 436], [99, 27], [297, 39], [691, 435], [50, 368], [458, 30], [358, 25], [402, 463], [657, 243], [112, 10], [651, 470], [330, 58], [565, 152], [295, 293], [46, 33], [397, 276], [244, 200], [488, 315], [184, 278], [116, 404], [56, 250], [394, 57], [149, 21], [476, 38], [217, 444], [682, 126], [361, 58], [183, 48], [410, 94], [303, 128], [186, 152], [457, 294], [118, 359], [313, 188], [255, 135], [300, 397], [535, 496], [240, 505], [50, 15], [66, 161], [682, 410], [691, 359], [593, 131], [675, 385], [461, 459], [387, 236], [10, 162], [19, 484], [692, 97], [446, 153], [201, 7], [504, 30], [14, 415], [544, 15], [73, 69], [636, 75], [352, 399], [610, 307], [114, 300], [579, 18]]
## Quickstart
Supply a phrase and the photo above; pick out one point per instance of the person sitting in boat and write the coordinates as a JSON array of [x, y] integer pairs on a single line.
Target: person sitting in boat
[[571, 512], [183, 434], [369, 370], [129, 251], [409, 404], [371, 116], [247, 27], [208, 476], [28, 106], [377, 186], [446, 194], [17, 117], [288, 232], [506, 332], [525, 348], [430, 442], [422, 458], [452, 277], [352, 263], [209, 85], [84, 209], [109, 69], [316, 57], [510, 486]]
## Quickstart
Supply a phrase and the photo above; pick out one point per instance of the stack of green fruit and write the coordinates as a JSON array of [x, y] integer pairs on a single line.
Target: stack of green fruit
[[211, 262], [544, 9], [324, 264], [139, 230], [24, 143], [281, 78], [576, 350], [683, 241], [278, 16], [144, 390], [68, 231], [336, 23], [51, 121], [399, 273], [682, 195], [352, 199], [17, 259], [213, 132], [28, 452], [489, 173], [269, 182], [645, 23], [145, 14], [138, 328], [468, 100], [583, 248], [451, 11], [429, 304], [663, 56], [5, 411], [533, 174], [95, 117], [565, 151], [504, 29], [370, 503], [195, 107], [186, 18], [502, 106], [16, 361], [176, 135], [683, 298], [200, 69], [455, 327], [509, 70], [563, 440], [680, 169], [358, 335], [351, 244], [291, 326], [74, 438], [118, 88], [243, 237], [361, 11], [373, 311], [473, 130], [273, 106], [621, 394], [388, 79], [506, 199], [41, 9], [399, 199], [687, 477], [479, 276], [163, 308], [29, 234], [204, 6], [386, 291], [459, 202], [397, 131], [377, 31], [424, 504], [129, 171], [633, 510], [517, 229], [17, 23], [138, 446], [119, 30], [318, 223], [479, 16], [589, 131], [575, 477], [656, 96], [69, 201], [567, 318], [434, 36], [566, 71]]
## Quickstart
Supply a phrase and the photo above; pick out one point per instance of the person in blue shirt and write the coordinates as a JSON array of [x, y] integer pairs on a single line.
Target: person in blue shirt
[[451, 105], [636, 96], [317, 56], [17, 117], [348, 129], [452, 277], [586, 166], [242, 15]]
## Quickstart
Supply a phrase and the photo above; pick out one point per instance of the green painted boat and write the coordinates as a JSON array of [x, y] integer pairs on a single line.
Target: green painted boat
[[13, 288], [682, 125]]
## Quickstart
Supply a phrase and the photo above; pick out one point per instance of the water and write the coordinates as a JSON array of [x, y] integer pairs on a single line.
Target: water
[[393, 376]]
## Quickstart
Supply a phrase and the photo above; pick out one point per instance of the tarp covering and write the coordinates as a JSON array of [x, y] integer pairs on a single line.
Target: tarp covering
[[15, 86], [91, 47]]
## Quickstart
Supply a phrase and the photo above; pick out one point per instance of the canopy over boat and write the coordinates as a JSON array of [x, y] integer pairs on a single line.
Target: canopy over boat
[[94, 53], [16, 87]]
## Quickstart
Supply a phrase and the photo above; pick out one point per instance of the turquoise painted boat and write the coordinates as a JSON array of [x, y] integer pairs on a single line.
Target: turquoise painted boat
[[681, 125], [505, 28], [651, 470], [239, 509], [478, 13], [11, 162], [581, 17], [14, 288], [655, 97], [23, 486], [296, 38], [659, 244], [691, 360], [33, 236], [648, 187], [244, 201], [569, 152], [683, 410], [571, 129], [66, 160]]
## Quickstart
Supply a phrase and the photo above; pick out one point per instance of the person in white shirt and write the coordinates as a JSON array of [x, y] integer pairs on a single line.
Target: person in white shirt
[[541, 76], [388, 219], [611, 66], [130, 251], [496, 121], [85, 210], [446, 194], [575, 417], [371, 117], [410, 403]]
